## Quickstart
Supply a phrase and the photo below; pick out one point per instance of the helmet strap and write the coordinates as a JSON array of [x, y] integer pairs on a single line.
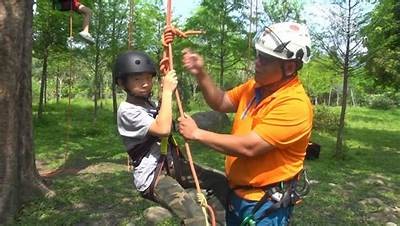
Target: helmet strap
[[271, 88], [138, 100], [284, 76], [136, 96]]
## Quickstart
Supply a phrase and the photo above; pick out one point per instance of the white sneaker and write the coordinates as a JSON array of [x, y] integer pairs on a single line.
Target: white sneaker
[[70, 42], [87, 37]]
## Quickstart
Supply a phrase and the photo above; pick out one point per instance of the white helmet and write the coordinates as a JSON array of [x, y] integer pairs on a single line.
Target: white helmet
[[288, 41]]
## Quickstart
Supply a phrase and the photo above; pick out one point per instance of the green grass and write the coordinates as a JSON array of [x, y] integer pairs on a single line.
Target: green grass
[[102, 192], [372, 154]]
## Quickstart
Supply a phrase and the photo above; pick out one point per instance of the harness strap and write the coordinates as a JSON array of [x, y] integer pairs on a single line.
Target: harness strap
[[139, 151], [176, 156], [157, 172], [286, 200], [289, 198], [163, 163]]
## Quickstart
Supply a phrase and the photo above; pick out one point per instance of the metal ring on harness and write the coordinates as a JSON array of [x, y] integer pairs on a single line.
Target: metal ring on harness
[[305, 188]]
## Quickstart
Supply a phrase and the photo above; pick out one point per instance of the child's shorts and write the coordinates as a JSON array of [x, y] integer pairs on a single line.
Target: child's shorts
[[67, 4]]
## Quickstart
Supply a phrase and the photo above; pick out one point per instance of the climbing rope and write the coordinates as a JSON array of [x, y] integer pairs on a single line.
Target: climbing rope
[[166, 64], [130, 23], [249, 32], [69, 113]]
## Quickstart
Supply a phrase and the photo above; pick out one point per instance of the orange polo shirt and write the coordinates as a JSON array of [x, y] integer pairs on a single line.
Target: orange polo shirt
[[284, 120]]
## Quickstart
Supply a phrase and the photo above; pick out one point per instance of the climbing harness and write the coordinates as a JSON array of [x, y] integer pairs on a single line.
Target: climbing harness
[[283, 194], [170, 158]]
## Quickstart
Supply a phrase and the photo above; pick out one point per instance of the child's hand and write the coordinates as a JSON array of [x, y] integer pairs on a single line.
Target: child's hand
[[170, 81]]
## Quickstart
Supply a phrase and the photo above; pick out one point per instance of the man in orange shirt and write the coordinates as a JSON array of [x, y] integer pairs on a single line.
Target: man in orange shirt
[[271, 129]]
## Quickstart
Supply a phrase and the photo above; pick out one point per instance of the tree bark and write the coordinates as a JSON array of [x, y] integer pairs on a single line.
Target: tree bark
[[19, 179]]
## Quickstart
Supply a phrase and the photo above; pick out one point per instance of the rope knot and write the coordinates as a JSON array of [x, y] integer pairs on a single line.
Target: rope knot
[[164, 64], [168, 38], [201, 198]]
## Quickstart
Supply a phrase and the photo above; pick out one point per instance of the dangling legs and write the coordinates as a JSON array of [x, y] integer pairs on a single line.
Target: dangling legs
[[214, 182], [87, 13]]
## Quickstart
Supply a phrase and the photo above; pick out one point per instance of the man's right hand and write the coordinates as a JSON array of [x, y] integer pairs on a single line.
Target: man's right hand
[[193, 62], [170, 81]]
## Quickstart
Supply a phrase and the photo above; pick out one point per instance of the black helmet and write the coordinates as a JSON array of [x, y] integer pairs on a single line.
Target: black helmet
[[133, 62]]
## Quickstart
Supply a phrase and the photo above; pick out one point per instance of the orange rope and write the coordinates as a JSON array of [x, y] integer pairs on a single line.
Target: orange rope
[[130, 23], [166, 64]]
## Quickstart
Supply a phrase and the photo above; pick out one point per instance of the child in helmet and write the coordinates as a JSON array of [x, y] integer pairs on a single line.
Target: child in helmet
[[78, 7], [141, 125]]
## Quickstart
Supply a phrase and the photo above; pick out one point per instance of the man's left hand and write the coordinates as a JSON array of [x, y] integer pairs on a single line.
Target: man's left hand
[[188, 127]]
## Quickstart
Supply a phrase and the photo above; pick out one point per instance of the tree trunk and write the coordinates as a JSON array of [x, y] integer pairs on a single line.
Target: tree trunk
[[97, 63], [222, 48], [337, 97], [101, 93], [352, 97], [96, 87], [61, 80], [45, 89], [114, 97], [339, 140], [114, 48], [43, 83], [329, 99], [58, 86], [19, 179]]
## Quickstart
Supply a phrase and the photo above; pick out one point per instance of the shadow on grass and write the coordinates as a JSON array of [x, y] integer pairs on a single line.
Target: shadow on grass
[[96, 139], [369, 171], [95, 199], [377, 139]]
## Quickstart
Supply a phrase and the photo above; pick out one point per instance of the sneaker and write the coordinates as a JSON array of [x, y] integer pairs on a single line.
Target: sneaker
[[70, 42], [87, 37]]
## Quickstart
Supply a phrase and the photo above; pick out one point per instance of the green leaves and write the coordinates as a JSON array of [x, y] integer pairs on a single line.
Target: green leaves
[[283, 10], [383, 38]]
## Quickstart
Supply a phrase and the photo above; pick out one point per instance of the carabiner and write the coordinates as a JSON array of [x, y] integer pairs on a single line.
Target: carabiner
[[248, 221]]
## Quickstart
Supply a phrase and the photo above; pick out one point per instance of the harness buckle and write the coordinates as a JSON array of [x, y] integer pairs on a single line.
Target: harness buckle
[[277, 196]]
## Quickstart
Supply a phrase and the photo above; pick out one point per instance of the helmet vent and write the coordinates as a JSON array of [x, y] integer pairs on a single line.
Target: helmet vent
[[299, 54]]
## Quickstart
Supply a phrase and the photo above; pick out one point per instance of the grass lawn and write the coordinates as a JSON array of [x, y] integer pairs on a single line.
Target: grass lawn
[[362, 189]]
